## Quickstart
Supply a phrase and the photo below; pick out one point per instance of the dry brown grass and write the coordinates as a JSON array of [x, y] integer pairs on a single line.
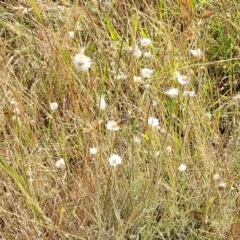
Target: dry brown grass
[[145, 197]]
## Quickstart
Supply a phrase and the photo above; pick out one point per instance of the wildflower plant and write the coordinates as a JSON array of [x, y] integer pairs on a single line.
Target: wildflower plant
[[82, 62], [146, 116]]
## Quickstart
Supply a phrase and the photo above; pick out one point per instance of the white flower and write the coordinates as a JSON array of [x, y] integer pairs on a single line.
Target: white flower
[[144, 42], [222, 185], [60, 163], [163, 130], [115, 160], [146, 72], [147, 54], [53, 106], [13, 103], [172, 92], [107, 5], [147, 86], [16, 111], [137, 79], [93, 150], [112, 126], [169, 150], [121, 76], [135, 52], [154, 103], [216, 176], [189, 94], [101, 103], [236, 99], [70, 35], [183, 80], [208, 115], [153, 122], [157, 154], [197, 53], [182, 167], [137, 140], [81, 62]]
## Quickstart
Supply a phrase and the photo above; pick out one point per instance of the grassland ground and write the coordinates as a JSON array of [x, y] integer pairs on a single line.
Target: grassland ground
[[119, 119]]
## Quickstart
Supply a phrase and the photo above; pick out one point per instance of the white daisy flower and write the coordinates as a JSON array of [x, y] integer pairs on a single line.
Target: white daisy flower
[[115, 160], [197, 53], [147, 55], [183, 80], [144, 42], [53, 106], [208, 115], [70, 35], [93, 150], [101, 103], [122, 76], [157, 154], [163, 130], [107, 5], [236, 99], [147, 86], [60, 163], [13, 102], [182, 167], [169, 150], [81, 62], [189, 93], [216, 176], [16, 111], [153, 122], [137, 79], [112, 126], [154, 103], [172, 92], [137, 140], [222, 185], [135, 52], [146, 72]]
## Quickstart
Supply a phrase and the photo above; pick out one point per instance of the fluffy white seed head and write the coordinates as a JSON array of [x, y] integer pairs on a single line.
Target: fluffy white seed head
[[82, 62]]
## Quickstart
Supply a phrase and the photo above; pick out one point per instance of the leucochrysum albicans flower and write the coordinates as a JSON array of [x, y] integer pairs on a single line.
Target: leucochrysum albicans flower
[[60, 163], [93, 150], [216, 176], [53, 106], [197, 53], [190, 94], [147, 55], [153, 122], [182, 79], [145, 42], [122, 76], [182, 167], [70, 35], [135, 52], [115, 160], [236, 99], [146, 72], [222, 185], [101, 103], [172, 92], [82, 62], [113, 125], [137, 79]]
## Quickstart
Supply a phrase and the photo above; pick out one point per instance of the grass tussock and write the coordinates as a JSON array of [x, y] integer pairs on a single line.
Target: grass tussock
[[166, 74]]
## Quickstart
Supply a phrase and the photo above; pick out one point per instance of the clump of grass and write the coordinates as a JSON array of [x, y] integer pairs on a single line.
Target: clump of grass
[[119, 120]]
